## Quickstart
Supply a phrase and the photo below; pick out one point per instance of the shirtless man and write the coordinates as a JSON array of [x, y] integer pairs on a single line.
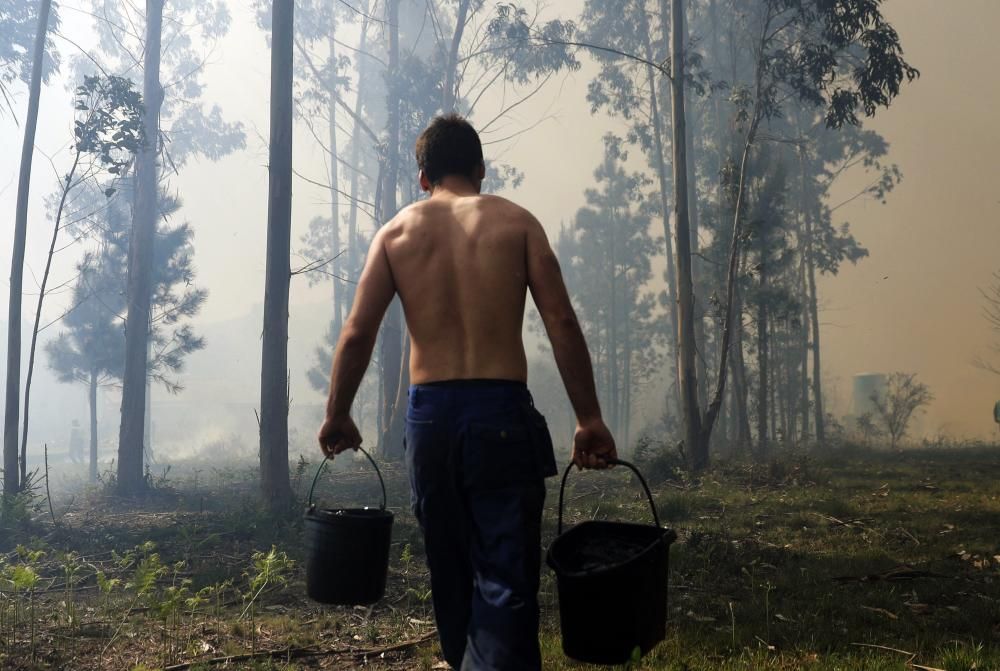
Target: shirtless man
[[476, 449]]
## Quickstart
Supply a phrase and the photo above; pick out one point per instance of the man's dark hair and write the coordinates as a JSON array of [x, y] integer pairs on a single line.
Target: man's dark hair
[[449, 146]]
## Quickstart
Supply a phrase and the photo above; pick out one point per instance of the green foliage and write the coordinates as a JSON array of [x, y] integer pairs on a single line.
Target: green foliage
[[18, 24], [533, 50], [110, 124], [191, 28]]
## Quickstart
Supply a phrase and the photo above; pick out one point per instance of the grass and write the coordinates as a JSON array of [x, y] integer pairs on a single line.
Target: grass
[[852, 559]]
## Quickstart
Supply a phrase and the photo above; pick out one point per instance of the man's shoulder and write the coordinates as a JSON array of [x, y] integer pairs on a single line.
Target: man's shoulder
[[508, 211]]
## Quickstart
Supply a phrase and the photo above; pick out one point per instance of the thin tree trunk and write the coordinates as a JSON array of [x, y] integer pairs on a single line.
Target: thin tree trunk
[[140, 266], [692, 191], [450, 72], [274, 477], [392, 333], [338, 317], [762, 360], [352, 216], [696, 448], [147, 413], [92, 402], [804, 338], [814, 319], [740, 390], [612, 315], [11, 481], [661, 173], [67, 187], [626, 412], [735, 255]]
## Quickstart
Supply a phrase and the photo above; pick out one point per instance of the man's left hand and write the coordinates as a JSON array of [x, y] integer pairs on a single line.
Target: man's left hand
[[338, 434]]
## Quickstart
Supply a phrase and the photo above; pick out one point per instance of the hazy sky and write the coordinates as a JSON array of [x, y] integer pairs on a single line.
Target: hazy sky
[[913, 305]]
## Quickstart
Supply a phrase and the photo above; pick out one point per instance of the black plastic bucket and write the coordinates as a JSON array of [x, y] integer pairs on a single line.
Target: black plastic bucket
[[347, 558], [612, 584]]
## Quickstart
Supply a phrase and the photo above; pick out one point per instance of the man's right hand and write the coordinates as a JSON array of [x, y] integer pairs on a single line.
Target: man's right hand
[[593, 445], [338, 434]]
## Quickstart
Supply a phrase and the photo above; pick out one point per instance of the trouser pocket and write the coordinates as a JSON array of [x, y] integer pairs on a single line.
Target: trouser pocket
[[512, 450]]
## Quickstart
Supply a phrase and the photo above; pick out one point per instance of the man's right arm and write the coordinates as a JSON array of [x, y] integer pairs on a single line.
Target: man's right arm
[[593, 443]]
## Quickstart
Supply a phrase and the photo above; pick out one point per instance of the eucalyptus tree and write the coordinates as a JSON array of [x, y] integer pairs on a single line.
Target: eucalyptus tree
[[13, 22], [274, 474], [843, 59]]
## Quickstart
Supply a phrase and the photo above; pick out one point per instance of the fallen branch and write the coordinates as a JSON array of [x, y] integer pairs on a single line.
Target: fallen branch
[[299, 653]]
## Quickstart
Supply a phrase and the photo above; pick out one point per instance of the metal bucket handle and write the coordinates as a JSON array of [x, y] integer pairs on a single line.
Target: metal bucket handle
[[615, 462], [320, 470]]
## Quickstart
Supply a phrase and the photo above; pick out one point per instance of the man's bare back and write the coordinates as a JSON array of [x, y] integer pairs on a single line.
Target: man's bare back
[[459, 264], [462, 264]]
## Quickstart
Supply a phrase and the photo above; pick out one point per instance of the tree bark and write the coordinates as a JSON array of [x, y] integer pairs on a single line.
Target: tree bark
[[92, 402], [762, 359], [140, 266], [337, 269], [352, 215], [12, 409], [817, 384], [696, 449], [274, 477], [67, 186], [673, 393], [692, 190], [740, 391], [392, 332]]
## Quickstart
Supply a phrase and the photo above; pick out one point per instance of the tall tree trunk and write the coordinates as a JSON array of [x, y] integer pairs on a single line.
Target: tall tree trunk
[[696, 448], [338, 316], [691, 121], [353, 256], [804, 348], [613, 375], [803, 291], [762, 359], [740, 389], [392, 332], [274, 480], [92, 402], [147, 413], [450, 86], [12, 409], [626, 411], [673, 394], [66, 188], [140, 266], [814, 319]]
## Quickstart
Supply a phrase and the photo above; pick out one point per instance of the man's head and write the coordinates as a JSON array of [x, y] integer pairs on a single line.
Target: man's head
[[449, 146]]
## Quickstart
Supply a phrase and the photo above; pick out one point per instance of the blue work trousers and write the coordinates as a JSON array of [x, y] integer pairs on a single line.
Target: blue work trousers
[[478, 453]]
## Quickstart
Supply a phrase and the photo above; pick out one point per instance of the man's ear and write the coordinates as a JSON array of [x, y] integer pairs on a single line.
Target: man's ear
[[425, 184], [480, 176]]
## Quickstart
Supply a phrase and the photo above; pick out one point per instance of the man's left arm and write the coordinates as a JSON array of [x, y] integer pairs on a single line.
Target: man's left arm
[[354, 349]]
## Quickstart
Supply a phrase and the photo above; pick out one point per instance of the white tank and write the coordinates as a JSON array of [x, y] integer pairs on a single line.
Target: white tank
[[866, 384]]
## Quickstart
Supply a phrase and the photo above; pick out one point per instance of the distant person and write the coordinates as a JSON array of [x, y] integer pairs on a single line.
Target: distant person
[[76, 443], [476, 449]]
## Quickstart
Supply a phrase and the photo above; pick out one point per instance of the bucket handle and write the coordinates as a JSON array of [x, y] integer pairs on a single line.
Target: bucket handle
[[616, 462], [320, 470]]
